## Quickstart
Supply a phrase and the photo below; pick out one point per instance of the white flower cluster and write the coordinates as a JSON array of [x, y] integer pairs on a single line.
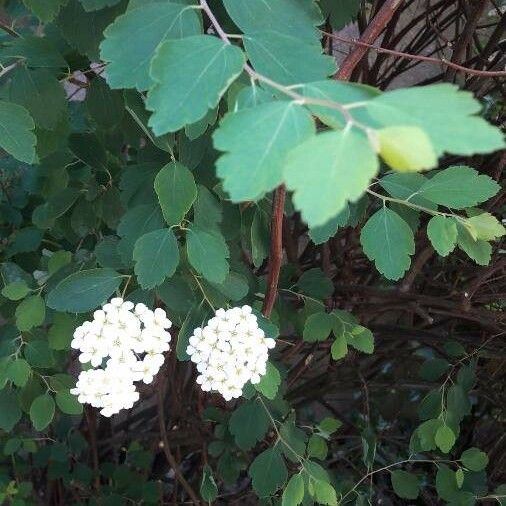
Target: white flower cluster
[[230, 351], [131, 340]]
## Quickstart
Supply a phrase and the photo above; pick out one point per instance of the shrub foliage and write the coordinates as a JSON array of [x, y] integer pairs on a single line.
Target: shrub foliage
[[202, 155]]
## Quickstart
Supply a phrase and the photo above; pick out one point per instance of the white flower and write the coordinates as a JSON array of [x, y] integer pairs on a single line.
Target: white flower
[[230, 351], [131, 340]]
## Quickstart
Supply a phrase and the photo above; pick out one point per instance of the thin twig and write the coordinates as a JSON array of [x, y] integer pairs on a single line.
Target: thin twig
[[429, 59]]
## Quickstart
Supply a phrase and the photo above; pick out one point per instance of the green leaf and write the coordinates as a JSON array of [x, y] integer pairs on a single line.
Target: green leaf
[[323, 233], [327, 171], [474, 459], [445, 438], [484, 226], [318, 327], [38, 91], [405, 485], [207, 211], [446, 114], [45, 10], [459, 187], [257, 140], [84, 290], [293, 494], [361, 339], [268, 472], [459, 477], [269, 384], [292, 17], [208, 487], [95, 5], [341, 92], [136, 222], [248, 424], [329, 425], [19, 372], [176, 190], [314, 283], [340, 13], [480, 251], [446, 483], [406, 148], [104, 105], [442, 232], [388, 241], [39, 51], [16, 132], [286, 59], [10, 412], [207, 253], [68, 403], [30, 313], [42, 411], [12, 446], [156, 256], [186, 88], [60, 333], [73, 17], [38, 354], [131, 41], [433, 369], [16, 290], [317, 447]]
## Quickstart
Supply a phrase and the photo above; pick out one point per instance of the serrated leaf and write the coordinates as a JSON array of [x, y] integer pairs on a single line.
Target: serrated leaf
[[16, 129], [327, 171], [323, 233], [446, 483], [388, 240], [340, 13], [84, 290], [256, 140], [207, 211], [42, 411], [361, 339], [446, 114], [270, 382], [314, 283], [480, 251], [293, 17], [442, 232], [207, 253], [38, 91], [176, 190], [459, 187], [405, 485], [156, 256], [329, 425], [293, 494], [248, 424], [186, 88], [317, 447], [474, 459], [287, 59], [445, 438], [268, 472], [131, 41], [38, 354], [30, 313], [406, 149], [484, 226]]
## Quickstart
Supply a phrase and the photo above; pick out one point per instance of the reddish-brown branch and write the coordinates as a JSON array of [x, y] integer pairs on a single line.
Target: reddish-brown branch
[[276, 254], [371, 33], [429, 59]]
